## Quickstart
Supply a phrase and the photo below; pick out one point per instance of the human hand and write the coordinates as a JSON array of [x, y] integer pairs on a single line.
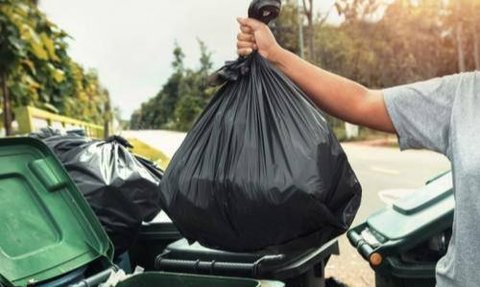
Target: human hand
[[255, 35]]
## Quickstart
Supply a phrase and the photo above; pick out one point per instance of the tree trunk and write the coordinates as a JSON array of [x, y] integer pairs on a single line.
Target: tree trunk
[[459, 35], [460, 51], [476, 47], [301, 45], [7, 111], [107, 119], [308, 10], [311, 40]]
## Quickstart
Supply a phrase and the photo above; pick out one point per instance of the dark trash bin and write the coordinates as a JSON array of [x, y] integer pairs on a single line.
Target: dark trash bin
[[152, 240], [403, 242], [300, 268]]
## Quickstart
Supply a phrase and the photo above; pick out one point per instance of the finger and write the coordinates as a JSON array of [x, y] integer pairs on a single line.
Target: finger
[[245, 37], [246, 29], [252, 23], [243, 44], [244, 51]]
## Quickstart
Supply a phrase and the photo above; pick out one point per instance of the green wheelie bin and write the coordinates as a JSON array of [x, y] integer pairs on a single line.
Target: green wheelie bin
[[403, 242], [49, 234], [50, 237]]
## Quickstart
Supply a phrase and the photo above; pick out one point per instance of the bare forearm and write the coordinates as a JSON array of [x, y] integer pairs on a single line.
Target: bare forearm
[[334, 94]]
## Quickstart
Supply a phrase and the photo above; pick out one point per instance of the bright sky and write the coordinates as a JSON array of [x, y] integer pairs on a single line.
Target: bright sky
[[130, 42]]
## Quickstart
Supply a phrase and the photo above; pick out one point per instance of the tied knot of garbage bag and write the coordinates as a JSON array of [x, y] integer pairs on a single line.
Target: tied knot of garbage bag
[[260, 169], [231, 71], [119, 139]]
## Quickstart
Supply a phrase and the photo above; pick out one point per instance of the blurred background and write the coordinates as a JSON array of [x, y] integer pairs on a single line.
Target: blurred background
[[142, 64]]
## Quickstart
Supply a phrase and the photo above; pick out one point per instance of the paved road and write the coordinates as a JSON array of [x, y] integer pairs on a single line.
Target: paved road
[[378, 169]]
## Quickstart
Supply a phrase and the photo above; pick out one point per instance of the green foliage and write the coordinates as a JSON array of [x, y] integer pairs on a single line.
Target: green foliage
[[38, 69], [379, 44], [386, 43], [285, 28], [181, 99]]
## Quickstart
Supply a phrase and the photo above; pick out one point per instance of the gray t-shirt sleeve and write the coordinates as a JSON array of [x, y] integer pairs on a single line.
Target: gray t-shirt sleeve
[[421, 112]]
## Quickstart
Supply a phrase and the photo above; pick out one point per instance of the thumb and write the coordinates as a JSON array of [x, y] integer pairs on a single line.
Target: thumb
[[250, 22]]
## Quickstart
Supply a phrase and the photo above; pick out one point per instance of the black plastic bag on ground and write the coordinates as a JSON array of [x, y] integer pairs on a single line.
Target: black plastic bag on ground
[[122, 190], [260, 169]]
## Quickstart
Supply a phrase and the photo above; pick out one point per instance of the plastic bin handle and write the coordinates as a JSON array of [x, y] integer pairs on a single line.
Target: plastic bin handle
[[358, 242], [96, 279], [204, 267]]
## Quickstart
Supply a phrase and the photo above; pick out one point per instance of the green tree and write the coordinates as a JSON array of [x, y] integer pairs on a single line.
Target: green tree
[[181, 99], [36, 69], [285, 28], [386, 43], [379, 44]]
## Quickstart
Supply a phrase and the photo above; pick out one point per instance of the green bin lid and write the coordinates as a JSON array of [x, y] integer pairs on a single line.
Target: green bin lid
[[417, 212], [47, 227]]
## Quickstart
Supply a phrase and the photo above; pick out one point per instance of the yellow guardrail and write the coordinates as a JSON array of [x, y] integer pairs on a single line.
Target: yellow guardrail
[[30, 119], [149, 152]]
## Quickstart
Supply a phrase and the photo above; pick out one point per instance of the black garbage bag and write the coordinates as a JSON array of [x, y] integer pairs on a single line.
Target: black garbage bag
[[260, 169], [122, 189]]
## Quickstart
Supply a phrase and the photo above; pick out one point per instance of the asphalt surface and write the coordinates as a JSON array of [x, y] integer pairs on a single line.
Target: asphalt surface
[[380, 170]]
